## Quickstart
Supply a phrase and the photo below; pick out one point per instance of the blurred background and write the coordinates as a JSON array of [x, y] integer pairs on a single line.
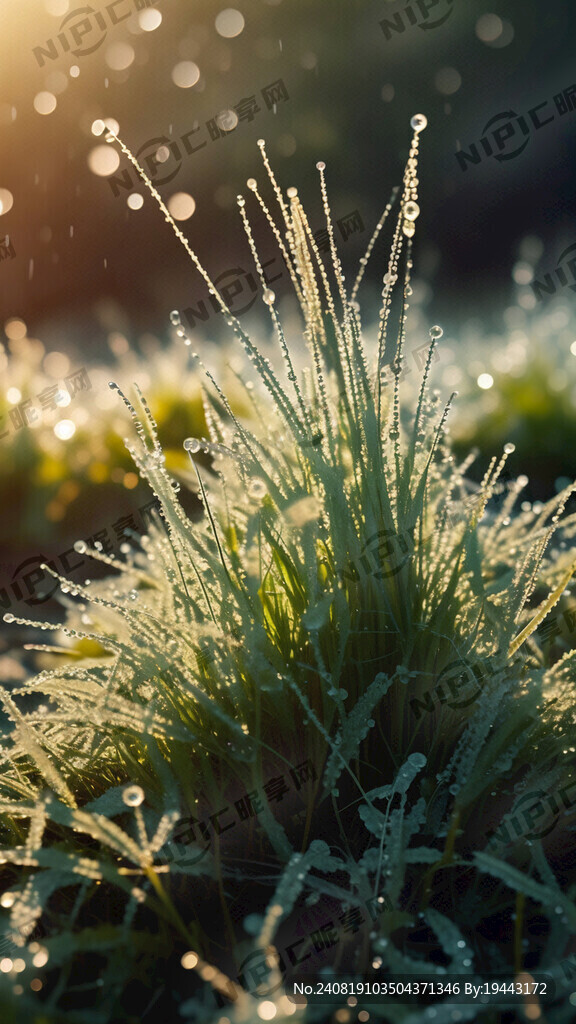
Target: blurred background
[[89, 270]]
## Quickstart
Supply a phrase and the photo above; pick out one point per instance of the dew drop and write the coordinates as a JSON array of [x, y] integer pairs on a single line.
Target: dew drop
[[80, 546], [9, 617], [509, 448], [418, 122], [291, 192], [436, 331], [408, 229], [411, 211], [252, 184], [133, 796], [260, 143], [320, 166], [192, 444], [418, 760], [175, 317], [257, 488], [268, 296], [240, 200]]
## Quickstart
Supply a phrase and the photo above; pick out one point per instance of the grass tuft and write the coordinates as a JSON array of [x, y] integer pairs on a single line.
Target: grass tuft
[[350, 613]]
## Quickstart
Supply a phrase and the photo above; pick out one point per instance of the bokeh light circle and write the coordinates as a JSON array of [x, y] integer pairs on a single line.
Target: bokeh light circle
[[489, 27], [185, 74], [227, 120], [65, 429], [15, 328], [181, 206], [119, 56], [229, 23], [448, 81], [44, 102], [103, 160], [6, 200], [149, 19]]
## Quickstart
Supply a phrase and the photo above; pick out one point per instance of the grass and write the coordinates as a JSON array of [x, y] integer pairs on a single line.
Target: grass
[[350, 614]]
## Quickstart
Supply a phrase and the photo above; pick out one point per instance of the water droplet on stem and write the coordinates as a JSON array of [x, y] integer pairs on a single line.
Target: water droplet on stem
[[418, 122]]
